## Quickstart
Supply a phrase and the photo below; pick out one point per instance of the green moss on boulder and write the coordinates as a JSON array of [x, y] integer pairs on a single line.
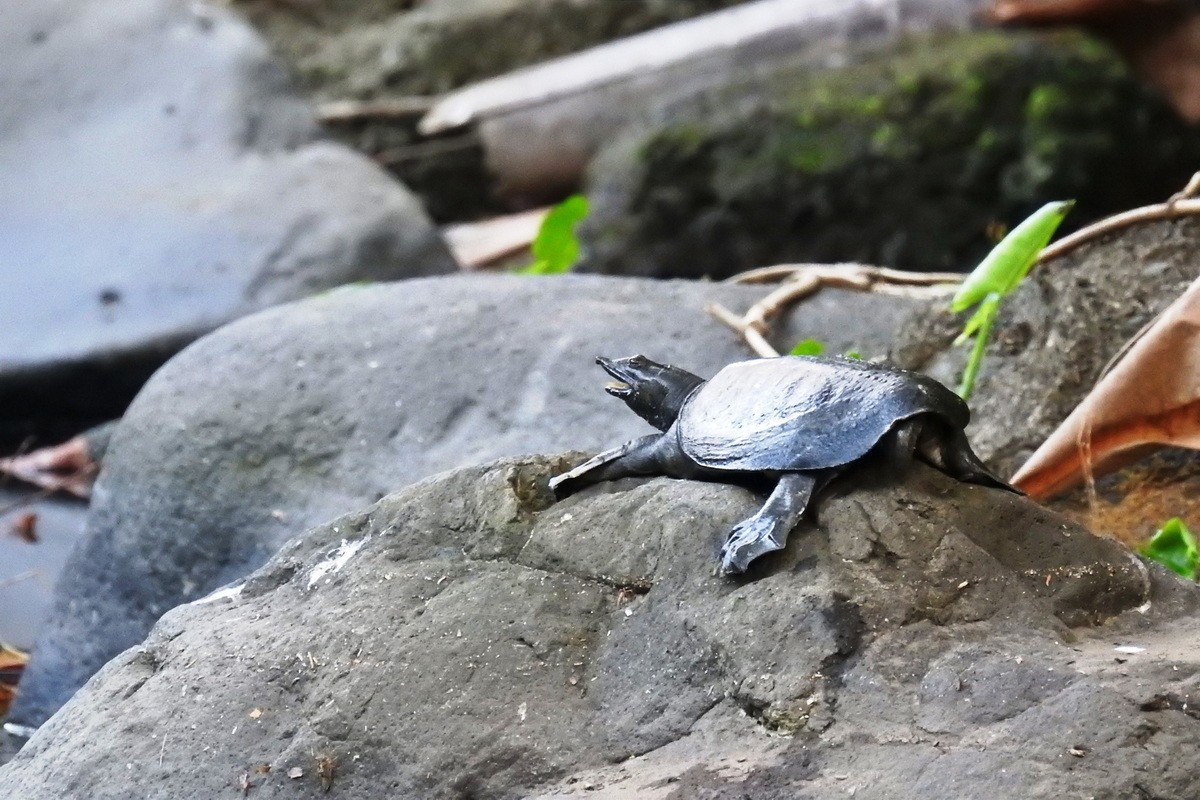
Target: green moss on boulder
[[905, 160]]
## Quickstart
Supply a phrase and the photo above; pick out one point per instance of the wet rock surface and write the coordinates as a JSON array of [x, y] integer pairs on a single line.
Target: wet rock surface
[[904, 160], [465, 636], [33, 550], [288, 418], [162, 179]]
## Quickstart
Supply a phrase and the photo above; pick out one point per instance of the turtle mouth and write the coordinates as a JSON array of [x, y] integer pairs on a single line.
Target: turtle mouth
[[621, 386], [618, 389]]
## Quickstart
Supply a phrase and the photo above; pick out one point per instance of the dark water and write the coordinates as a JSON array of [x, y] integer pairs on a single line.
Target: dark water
[[28, 571]]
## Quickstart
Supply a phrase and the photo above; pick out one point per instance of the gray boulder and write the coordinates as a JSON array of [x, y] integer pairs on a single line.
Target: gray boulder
[[349, 48], [290, 417], [161, 179], [466, 638]]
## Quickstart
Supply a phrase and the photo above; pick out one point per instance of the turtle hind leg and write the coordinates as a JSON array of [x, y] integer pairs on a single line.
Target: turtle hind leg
[[903, 443], [638, 457], [959, 460], [769, 528]]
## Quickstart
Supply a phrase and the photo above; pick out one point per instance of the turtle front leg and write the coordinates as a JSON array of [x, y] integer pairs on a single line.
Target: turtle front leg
[[769, 528], [639, 457]]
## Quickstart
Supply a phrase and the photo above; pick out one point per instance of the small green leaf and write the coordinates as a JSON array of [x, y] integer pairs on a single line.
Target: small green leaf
[[1010, 260], [984, 313], [808, 347], [1174, 547], [854, 354], [556, 246], [981, 325]]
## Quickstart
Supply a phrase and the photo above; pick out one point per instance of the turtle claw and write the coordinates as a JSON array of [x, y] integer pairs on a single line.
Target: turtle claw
[[747, 541]]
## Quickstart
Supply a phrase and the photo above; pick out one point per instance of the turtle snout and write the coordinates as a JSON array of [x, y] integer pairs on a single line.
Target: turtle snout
[[621, 386]]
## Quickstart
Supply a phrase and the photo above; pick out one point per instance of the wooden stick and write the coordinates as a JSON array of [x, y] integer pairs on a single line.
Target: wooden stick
[[343, 112], [753, 338], [1159, 211]]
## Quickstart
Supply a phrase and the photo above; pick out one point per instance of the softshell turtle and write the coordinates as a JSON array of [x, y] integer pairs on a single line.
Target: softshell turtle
[[798, 419]]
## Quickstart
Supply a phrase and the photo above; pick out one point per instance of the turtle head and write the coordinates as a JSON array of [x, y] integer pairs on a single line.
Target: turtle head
[[654, 391]]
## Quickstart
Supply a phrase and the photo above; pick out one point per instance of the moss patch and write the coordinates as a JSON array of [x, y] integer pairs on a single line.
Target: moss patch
[[905, 160]]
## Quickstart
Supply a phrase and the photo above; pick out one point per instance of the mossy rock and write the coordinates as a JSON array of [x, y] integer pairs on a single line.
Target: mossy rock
[[908, 160], [368, 48]]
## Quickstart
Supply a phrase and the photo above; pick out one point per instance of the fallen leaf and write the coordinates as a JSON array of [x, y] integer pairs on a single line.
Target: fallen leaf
[[66, 467], [12, 662], [24, 527], [1150, 399], [1159, 38]]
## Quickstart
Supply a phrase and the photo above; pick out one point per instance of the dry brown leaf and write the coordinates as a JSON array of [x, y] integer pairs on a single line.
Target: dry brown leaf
[[24, 527], [1159, 38], [67, 467], [12, 661], [1150, 399]]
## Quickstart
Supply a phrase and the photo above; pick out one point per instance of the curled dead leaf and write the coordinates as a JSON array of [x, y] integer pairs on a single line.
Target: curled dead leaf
[[1150, 399], [66, 467]]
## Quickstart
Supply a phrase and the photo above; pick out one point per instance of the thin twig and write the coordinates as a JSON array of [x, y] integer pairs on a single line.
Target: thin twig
[[757, 315], [1159, 211], [753, 338], [798, 281], [780, 272], [28, 574]]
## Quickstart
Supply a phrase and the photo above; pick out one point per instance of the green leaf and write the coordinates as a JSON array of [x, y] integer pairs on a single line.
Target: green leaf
[[985, 313], [556, 247], [1174, 547], [1010, 260], [808, 347], [981, 325], [854, 354]]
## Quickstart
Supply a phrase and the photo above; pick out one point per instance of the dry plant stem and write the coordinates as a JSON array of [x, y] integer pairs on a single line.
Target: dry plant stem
[[753, 338], [801, 280], [790, 292], [27, 575], [871, 274], [1169, 210], [1193, 186]]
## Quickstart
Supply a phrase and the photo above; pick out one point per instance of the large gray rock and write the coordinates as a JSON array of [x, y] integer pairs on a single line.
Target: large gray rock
[[301, 413], [352, 48], [161, 179], [465, 638], [290, 417]]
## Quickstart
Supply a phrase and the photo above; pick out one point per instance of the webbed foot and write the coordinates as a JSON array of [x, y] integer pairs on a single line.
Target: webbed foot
[[747, 541]]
